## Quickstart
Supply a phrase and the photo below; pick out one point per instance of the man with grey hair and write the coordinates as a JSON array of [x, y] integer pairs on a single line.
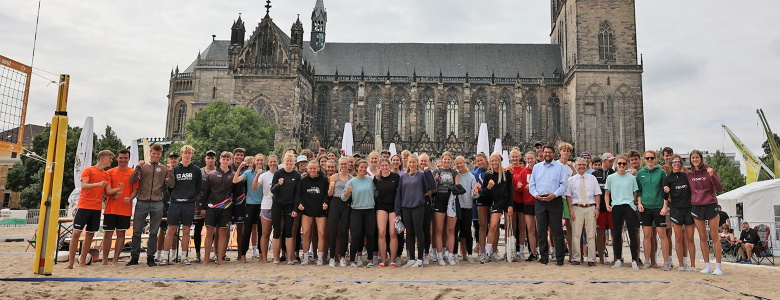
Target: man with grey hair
[[583, 195]]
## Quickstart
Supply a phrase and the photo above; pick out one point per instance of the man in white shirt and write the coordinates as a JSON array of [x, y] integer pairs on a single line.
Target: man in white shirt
[[583, 195]]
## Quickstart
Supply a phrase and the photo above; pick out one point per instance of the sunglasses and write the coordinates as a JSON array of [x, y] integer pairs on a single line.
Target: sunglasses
[[649, 158], [676, 161], [622, 164]]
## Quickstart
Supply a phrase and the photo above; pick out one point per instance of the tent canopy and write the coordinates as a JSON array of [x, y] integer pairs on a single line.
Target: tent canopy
[[758, 201]]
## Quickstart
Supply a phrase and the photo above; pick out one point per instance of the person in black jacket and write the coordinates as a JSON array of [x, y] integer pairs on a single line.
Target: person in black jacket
[[678, 197], [217, 194], [313, 202], [186, 188], [749, 238], [285, 190], [498, 191]]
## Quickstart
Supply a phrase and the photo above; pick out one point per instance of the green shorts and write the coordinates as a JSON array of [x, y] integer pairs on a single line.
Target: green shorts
[[565, 208]]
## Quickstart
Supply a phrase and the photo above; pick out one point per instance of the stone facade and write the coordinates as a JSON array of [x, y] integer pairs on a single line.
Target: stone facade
[[585, 87]]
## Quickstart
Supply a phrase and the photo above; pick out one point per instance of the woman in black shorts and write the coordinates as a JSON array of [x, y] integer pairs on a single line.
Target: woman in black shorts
[[497, 188], [679, 203], [704, 184], [445, 178], [313, 203], [386, 183]]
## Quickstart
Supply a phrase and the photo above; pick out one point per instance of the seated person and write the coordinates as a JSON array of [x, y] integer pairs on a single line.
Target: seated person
[[727, 238], [749, 238]]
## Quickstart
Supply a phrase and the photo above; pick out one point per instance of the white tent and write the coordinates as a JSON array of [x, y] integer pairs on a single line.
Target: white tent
[[758, 199], [760, 205]]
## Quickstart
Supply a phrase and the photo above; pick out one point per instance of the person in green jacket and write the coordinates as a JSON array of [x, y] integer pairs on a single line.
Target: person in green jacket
[[652, 208]]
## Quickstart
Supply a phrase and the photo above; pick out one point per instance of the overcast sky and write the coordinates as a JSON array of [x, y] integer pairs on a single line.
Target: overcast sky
[[705, 62]]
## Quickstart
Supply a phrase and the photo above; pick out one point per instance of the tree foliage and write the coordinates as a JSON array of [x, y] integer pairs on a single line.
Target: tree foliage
[[26, 176], [729, 174], [223, 127]]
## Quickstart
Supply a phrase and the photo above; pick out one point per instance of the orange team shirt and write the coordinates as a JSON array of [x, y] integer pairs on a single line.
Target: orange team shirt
[[93, 198], [117, 206]]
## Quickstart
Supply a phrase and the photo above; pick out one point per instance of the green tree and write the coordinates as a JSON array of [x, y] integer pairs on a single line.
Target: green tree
[[223, 127], [729, 174], [765, 145], [108, 141]]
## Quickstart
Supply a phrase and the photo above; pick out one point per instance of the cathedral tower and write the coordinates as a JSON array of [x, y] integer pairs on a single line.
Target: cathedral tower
[[318, 19], [603, 75]]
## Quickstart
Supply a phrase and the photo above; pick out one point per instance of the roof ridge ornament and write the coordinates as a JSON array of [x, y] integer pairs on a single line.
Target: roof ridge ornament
[[267, 7]]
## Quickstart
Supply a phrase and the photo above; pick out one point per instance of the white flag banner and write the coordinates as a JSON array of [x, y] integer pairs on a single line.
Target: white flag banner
[[83, 160]]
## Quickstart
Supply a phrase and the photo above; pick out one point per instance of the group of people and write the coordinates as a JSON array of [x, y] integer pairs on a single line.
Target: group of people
[[339, 209]]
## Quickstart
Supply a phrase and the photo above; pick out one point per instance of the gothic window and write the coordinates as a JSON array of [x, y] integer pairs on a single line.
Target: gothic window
[[504, 113], [480, 107], [399, 113], [266, 110], [374, 112], [322, 113], [606, 42], [452, 112], [531, 115], [553, 115], [347, 105], [181, 117], [428, 111]]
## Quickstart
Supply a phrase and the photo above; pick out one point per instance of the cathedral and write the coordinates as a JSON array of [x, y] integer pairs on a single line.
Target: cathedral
[[584, 87]]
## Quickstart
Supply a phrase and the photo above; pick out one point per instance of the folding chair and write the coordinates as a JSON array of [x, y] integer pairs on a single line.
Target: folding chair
[[31, 242], [763, 250]]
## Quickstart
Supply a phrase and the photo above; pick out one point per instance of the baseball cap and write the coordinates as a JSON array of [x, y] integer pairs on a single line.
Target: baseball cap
[[538, 143], [174, 154], [301, 158], [585, 153], [607, 156], [211, 153]]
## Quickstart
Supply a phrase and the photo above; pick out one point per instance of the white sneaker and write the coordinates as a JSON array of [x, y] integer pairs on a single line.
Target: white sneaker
[[451, 260], [332, 263], [276, 262], [343, 262], [717, 272], [186, 261], [617, 264], [359, 262], [442, 262], [519, 256], [434, 257], [290, 262], [319, 261], [163, 262], [411, 263], [255, 253], [470, 259], [353, 265], [417, 264], [370, 264], [496, 257], [425, 260], [305, 261], [634, 265], [707, 271]]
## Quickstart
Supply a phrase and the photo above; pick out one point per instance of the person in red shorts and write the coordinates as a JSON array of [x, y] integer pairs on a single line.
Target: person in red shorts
[[603, 168], [94, 186], [119, 206]]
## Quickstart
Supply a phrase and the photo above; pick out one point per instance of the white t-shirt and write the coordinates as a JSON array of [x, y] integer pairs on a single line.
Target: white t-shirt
[[268, 198]]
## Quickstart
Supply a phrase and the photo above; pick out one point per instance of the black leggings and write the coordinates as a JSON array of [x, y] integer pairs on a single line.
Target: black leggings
[[427, 217], [362, 225], [622, 213], [252, 217], [338, 224], [413, 220], [464, 230], [281, 211], [198, 235]]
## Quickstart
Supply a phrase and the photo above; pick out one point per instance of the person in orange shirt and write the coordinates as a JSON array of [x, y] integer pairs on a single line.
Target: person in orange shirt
[[94, 185], [119, 205]]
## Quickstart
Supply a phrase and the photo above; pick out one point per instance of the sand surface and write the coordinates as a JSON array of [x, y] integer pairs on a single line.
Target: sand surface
[[268, 281]]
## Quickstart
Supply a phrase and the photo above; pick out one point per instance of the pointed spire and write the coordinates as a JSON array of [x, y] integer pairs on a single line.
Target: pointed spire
[[414, 75], [362, 73], [267, 7]]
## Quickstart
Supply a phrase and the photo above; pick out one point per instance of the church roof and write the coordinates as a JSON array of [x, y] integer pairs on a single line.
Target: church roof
[[479, 60], [217, 50]]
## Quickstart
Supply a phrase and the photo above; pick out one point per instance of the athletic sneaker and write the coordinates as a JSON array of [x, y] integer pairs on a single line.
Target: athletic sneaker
[[425, 260], [376, 258], [483, 258], [470, 259], [163, 262], [411, 263], [213, 259], [276, 262], [359, 261], [398, 261], [319, 261], [531, 257], [495, 257], [434, 257], [418, 264], [255, 253], [617, 264], [690, 269], [343, 262], [707, 271], [451, 260], [634, 265], [186, 261], [370, 264], [717, 272], [668, 266], [353, 265], [290, 262], [442, 262], [519, 256], [332, 263], [305, 261], [646, 266], [196, 260]]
